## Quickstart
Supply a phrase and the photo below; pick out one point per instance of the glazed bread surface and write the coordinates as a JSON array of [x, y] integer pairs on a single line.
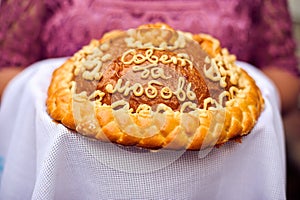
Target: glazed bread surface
[[155, 87]]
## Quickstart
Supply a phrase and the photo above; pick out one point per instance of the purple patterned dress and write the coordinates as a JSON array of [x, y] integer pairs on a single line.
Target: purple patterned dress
[[257, 31]]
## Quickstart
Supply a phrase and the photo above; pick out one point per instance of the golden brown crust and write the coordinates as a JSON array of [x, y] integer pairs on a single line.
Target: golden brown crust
[[194, 130]]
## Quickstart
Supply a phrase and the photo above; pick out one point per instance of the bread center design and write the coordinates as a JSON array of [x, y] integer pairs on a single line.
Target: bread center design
[[155, 87]]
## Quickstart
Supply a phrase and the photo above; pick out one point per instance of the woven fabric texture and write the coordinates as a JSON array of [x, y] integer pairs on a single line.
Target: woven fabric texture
[[41, 159]]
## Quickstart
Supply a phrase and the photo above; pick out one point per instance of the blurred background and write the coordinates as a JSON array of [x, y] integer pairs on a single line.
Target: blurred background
[[292, 122]]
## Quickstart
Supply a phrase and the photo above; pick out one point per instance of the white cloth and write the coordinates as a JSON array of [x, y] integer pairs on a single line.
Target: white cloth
[[40, 159]]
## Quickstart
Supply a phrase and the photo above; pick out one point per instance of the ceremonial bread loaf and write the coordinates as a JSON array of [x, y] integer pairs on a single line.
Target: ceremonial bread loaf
[[155, 87]]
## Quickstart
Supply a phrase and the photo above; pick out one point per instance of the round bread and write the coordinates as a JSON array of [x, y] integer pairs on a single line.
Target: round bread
[[155, 87]]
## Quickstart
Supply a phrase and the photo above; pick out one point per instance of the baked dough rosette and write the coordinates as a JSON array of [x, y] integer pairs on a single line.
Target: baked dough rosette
[[155, 87]]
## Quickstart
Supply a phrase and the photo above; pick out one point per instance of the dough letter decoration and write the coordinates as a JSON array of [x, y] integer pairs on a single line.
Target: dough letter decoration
[[173, 91]]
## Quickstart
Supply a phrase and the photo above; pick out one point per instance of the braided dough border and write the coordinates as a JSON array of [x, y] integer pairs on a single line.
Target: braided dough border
[[180, 130]]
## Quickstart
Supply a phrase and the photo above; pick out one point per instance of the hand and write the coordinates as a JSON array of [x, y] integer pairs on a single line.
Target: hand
[[288, 86], [6, 74]]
